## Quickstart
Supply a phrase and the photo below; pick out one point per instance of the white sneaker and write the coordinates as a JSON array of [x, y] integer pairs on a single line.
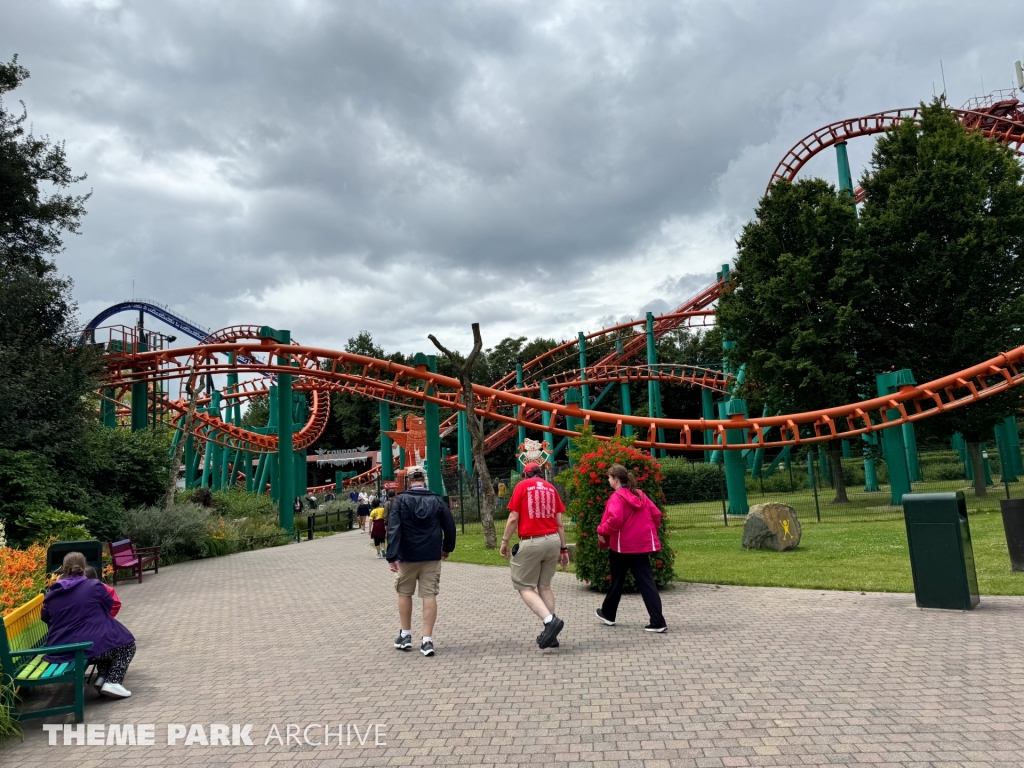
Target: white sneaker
[[115, 690]]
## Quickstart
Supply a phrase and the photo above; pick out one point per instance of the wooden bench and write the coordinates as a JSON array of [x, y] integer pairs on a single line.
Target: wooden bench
[[22, 647], [127, 557]]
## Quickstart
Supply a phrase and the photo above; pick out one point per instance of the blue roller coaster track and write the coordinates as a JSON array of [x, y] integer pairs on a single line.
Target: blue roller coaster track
[[154, 308]]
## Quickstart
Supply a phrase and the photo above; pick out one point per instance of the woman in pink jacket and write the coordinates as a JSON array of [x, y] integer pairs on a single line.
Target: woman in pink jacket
[[629, 528]]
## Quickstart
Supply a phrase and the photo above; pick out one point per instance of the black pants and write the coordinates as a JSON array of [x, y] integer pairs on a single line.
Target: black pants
[[113, 664], [640, 565]]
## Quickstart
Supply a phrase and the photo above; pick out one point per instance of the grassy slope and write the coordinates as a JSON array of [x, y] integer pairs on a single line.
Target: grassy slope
[[848, 556]]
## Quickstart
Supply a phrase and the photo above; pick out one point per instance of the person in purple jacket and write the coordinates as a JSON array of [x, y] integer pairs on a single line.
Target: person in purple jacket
[[77, 610], [629, 528]]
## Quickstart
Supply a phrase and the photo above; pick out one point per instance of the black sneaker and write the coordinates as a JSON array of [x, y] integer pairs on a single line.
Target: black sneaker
[[427, 648], [600, 614], [553, 645], [403, 642], [650, 628], [550, 633]]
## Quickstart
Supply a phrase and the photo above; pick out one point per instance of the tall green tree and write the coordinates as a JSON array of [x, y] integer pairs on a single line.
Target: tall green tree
[[943, 238], [44, 376], [792, 306]]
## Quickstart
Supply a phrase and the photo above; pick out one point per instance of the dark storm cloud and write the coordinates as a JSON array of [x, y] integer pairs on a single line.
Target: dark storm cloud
[[413, 167]]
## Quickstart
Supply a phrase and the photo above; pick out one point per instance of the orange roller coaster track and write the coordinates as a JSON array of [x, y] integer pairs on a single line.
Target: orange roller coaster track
[[408, 385], [322, 371]]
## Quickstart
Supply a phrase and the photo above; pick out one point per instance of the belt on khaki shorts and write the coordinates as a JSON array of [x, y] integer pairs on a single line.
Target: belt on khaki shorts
[[539, 536]]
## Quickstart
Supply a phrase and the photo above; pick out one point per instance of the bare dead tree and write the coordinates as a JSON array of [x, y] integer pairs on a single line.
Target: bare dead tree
[[476, 432]]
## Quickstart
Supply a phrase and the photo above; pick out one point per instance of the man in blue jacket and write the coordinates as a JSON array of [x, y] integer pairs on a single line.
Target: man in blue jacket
[[421, 533]]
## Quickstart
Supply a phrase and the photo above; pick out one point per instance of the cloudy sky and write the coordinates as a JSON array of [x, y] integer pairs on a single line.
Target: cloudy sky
[[411, 167]]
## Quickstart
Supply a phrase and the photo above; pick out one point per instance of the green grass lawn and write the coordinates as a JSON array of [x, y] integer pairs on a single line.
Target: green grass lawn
[[865, 557]]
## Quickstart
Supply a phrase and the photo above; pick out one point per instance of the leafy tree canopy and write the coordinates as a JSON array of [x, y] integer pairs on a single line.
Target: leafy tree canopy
[[792, 311], [943, 240]]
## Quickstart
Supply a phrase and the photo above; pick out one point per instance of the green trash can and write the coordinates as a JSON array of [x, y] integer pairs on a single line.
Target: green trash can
[[93, 551], [941, 555]]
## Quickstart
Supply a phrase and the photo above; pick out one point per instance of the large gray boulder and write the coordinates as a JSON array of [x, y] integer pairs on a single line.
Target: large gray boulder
[[771, 526]]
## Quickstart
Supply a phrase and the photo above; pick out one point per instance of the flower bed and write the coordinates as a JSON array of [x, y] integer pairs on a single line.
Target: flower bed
[[22, 575]]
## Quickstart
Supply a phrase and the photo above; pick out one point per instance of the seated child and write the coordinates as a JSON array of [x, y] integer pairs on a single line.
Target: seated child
[[90, 573]]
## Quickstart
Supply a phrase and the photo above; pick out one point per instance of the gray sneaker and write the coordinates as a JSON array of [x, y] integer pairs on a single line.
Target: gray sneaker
[[403, 642]]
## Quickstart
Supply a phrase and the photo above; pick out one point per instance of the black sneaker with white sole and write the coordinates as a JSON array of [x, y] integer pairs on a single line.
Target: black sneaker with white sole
[[550, 633], [649, 628], [427, 648], [600, 614], [403, 642]]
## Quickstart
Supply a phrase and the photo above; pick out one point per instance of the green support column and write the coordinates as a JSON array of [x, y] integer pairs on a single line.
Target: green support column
[[843, 161], [108, 409], [1006, 463], [246, 459], [387, 461], [140, 394], [1014, 438], [582, 341], [846, 449], [545, 420], [758, 457], [913, 460], [892, 438], [653, 386], [707, 406], [140, 406], [435, 476], [735, 466], [204, 481], [234, 414], [522, 430], [572, 396], [300, 414], [259, 480], [463, 443], [825, 463], [627, 406], [284, 472], [225, 469]]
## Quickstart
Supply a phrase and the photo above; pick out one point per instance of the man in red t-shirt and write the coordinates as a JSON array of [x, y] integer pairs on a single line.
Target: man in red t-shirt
[[535, 511]]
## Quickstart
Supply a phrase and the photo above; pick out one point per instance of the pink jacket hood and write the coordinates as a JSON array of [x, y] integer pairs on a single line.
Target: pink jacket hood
[[630, 521]]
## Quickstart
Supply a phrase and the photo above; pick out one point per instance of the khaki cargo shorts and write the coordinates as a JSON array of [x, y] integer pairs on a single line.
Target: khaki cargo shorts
[[427, 574], [534, 564]]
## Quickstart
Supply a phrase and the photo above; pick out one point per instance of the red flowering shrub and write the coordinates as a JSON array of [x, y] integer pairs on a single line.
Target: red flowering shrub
[[588, 488]]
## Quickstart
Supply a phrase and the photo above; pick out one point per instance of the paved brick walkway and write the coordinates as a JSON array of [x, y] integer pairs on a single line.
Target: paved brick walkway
[[303, 634]]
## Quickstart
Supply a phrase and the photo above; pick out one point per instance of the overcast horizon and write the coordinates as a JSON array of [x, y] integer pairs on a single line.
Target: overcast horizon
[[541, 168]]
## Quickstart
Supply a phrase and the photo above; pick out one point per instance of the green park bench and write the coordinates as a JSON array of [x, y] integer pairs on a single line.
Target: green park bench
[[22, 647]]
